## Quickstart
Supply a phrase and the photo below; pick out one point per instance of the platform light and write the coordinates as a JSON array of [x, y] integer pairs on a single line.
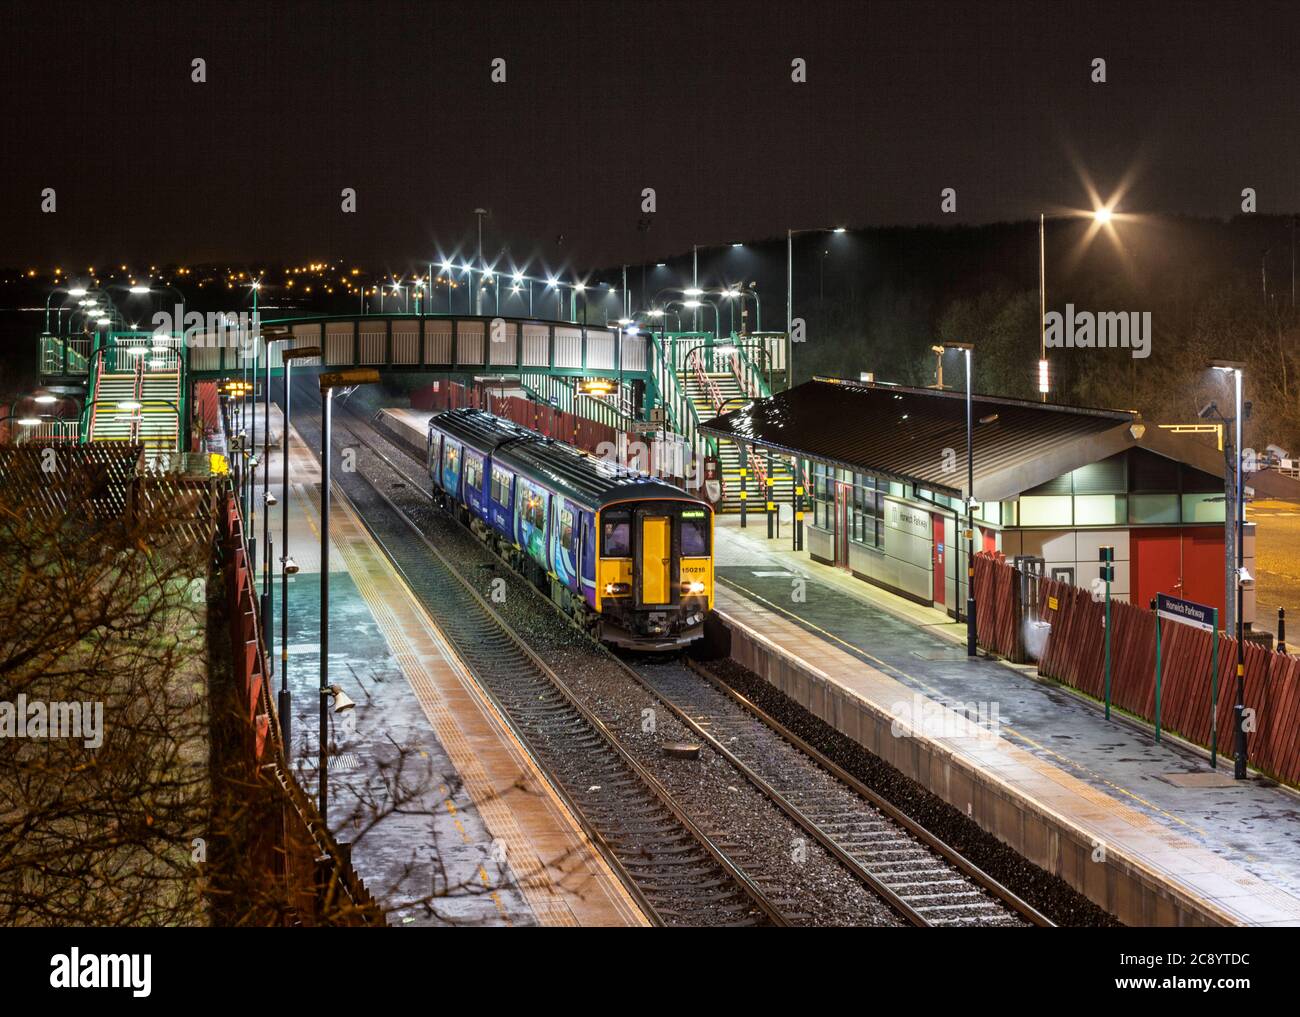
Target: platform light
[[693, 291], [692, 304], [130, 404], [45, 400], [29, 421], [1042, 376], [77, 291], [139, 289]]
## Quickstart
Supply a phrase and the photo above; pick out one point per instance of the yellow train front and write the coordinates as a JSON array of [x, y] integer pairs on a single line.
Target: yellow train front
[[655, 571], [629, 557]]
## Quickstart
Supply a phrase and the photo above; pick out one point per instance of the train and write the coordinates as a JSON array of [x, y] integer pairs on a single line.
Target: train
[[628, 557]]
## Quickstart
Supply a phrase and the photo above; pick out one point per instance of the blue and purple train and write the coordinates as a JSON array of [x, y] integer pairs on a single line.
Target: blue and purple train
[[629, 557]]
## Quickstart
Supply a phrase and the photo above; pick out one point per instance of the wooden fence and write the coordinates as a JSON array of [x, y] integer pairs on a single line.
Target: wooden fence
[[1074, 655]]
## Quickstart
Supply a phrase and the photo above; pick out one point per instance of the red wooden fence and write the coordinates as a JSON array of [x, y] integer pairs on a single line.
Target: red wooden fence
[[577, 430], [1075, 655]]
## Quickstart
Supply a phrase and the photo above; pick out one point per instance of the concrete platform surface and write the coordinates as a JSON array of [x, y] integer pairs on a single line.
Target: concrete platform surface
[[1233, 845], [449, 819]]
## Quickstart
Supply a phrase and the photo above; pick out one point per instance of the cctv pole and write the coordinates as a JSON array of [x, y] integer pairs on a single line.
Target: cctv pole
[[327, 399], [1240, 759]]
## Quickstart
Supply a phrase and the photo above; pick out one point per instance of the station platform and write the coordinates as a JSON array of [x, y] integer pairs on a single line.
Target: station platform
[[476, 836], [1147, 831]]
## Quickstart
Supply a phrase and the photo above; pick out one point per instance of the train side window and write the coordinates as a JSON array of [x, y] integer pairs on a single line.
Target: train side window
[[616, 535], [501, 486], [566, 528], [695, 534], [534, 509], [473, 473]]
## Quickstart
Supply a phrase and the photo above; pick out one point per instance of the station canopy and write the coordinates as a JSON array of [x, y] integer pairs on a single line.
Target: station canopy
[[918, 435]]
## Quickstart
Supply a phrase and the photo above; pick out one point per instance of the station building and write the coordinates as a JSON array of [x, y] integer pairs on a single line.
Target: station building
[[887, 469]]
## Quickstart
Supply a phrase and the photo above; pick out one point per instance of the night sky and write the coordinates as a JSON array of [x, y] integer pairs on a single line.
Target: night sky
[[604, 99]]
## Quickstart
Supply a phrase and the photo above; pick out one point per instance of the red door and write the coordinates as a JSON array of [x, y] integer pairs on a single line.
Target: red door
[[937, 555], [1155, 564]]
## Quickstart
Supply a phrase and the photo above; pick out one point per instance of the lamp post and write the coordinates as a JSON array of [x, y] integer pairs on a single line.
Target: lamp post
[[288, 566], [789, 291], [478, 295], [268, 499], [968, 349], [1242, 578], [1102, 216], [328, 383], [694, 303]]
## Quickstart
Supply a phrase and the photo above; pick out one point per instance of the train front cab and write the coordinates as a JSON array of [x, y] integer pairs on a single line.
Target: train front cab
[[655, 572]]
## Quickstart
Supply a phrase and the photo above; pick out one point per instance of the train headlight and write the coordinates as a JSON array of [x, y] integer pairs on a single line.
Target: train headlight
[[695, 587], [613, 589]]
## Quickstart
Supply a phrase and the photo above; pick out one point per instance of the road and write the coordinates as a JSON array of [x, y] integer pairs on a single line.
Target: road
[[1277, 565]]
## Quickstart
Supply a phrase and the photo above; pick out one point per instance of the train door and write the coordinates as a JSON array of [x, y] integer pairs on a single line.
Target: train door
[[656, 559]]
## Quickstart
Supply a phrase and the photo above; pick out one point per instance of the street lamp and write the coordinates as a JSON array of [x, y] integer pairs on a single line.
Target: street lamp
[[694, 304], [789, 291], [288, 566], [329, 381], [1102, 215], [968, 349], [1242, 577]]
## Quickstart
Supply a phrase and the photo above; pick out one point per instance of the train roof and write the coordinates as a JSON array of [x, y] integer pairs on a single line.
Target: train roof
[[565, 469], [583, 477], [479, 429]]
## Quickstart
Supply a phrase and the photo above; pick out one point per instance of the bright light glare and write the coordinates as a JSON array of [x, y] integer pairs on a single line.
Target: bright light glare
[[1102, 215]]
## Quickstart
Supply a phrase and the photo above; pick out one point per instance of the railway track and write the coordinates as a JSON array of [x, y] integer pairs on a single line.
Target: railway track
[[924, 879], [677, 874], [919, 876]]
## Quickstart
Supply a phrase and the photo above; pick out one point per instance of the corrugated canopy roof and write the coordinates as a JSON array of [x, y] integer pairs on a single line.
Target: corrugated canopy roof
[[902, 433]]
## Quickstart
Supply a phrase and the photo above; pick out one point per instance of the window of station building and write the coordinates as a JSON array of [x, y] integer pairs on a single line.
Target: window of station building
[[473, 472], [866, 510], [695, 533], [1152, 508], [501, 480], [1203, 508], [823, 494], [615, 535], [1100, 509], [1046, 510]]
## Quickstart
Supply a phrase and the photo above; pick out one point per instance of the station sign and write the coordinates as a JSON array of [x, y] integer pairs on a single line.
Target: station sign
[[1187, 612]]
